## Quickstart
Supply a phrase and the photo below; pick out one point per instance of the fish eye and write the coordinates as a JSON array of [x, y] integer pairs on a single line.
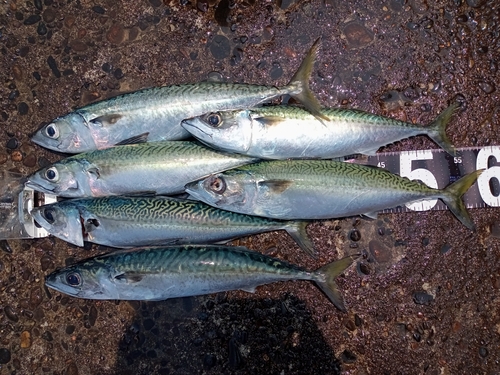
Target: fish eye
[[74, 279], [214, 120], [217, 185], [48, 214], [51, 174], [52, 131]]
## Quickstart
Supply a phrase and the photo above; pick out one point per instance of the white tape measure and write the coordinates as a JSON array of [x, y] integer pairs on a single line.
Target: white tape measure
[[438, 169]]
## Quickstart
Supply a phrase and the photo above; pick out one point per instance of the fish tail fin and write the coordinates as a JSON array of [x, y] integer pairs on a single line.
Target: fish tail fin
[[330, 273], [299, 84], [297, 230], [452, 196], [437, 129]]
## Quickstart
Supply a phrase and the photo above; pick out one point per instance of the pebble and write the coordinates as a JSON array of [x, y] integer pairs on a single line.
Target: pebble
[[16, 156], [487, 87], [25, 339], [422, 298], [22, 108], [93, 315], [3, 158], [4, 356], [38, 4], [116, 34], [11, 314], [357, 35], [355, 235], [348, 356], [12, 143], [276, 71], [53, 66], [36, 297], [220, 48], [78, 45], [445, 248], [49, 15], [41, 29], [69, 21], [379, 252], [47, 336], [118, 73], [98, 9], [31, 20], [483, 352], [17, 72]]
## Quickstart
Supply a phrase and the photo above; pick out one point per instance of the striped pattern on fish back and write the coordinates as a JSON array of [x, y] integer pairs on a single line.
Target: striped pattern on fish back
[[198, 260], [184, 95], [164, 209], [334, 114], [328, 173]]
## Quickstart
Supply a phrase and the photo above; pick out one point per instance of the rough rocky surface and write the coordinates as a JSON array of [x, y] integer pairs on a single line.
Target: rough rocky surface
[[424, 299]]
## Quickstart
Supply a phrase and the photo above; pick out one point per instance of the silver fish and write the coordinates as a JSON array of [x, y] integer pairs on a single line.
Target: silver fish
[[146, 168], [286, 132], [146, 221], [321, 189], [154, 274], [155, 114]]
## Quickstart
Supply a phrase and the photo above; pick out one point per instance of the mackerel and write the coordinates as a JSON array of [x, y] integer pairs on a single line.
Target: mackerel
[[153, 274], [155, 114], [146, 168], [321, 189], [287, 132], [145, 221]]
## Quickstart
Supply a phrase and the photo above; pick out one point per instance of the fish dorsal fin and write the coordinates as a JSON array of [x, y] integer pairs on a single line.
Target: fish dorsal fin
[[270, 120], [130, 277], [106, 120], [141, 138], [276, 186]]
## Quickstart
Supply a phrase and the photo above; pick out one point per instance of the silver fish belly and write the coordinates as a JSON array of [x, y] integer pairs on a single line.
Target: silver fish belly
[[320, 189], [147, 221], [168, 272], [155, 114], [287, 132], [146, 168]]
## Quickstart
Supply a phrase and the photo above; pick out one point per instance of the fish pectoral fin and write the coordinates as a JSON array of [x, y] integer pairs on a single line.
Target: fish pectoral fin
[[270, 120], [106, 120], [94, 171], [249, 289], [141, 138], [130, 277], [371, 215], [276, 186]]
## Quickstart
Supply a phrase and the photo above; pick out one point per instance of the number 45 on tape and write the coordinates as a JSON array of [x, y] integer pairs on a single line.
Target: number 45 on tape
[[438, 169]]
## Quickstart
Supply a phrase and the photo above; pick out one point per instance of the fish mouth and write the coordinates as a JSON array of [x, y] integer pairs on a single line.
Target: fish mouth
[[36, 186], [189, 124]]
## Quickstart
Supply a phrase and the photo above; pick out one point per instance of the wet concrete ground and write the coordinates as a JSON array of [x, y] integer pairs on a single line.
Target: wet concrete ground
[[425, 297]]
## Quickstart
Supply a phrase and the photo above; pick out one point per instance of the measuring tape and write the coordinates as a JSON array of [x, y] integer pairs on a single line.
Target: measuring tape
[[438, 169]]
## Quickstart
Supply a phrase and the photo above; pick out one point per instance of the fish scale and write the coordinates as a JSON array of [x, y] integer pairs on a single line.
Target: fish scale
[[167, 272]]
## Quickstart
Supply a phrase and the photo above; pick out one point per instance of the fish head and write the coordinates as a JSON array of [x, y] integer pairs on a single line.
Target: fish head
[[89, 279], [61, 178], [61, 220], [69, 134], [227, 130], [232, 190]]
